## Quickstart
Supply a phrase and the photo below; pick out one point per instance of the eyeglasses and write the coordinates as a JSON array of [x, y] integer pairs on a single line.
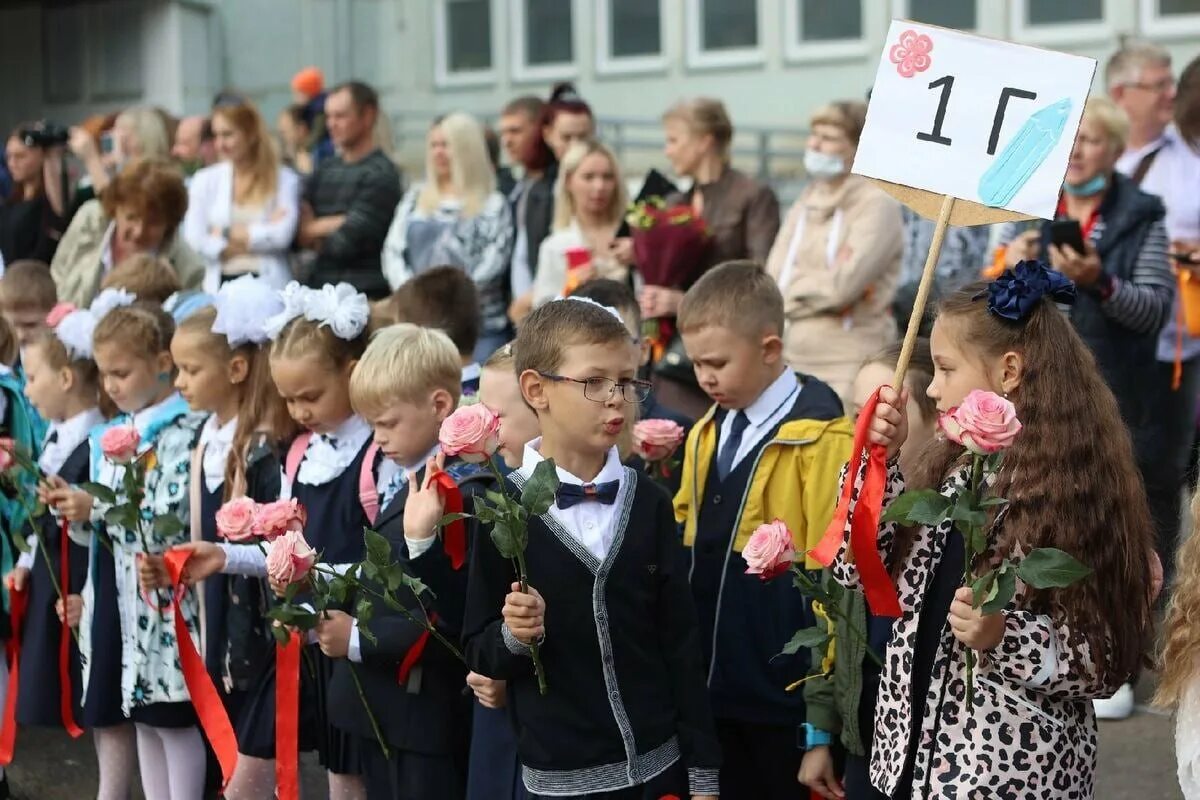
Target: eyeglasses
[[601, 390], [1158, 87]]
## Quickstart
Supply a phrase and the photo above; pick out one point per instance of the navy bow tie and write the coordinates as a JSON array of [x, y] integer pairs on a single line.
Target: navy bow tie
[[571, 494]]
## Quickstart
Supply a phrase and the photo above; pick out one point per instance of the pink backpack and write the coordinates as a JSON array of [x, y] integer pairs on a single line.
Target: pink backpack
[[368, 492]]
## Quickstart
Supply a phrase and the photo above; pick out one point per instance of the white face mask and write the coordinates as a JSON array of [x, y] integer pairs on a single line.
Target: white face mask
[[822, 165]]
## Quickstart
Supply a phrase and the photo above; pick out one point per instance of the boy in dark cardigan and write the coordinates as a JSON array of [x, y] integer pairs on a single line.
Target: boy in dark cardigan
[[626, 715], [406, 383]]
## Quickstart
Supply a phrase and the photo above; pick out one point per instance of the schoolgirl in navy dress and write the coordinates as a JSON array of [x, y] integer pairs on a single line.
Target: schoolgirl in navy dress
[[131, 348], [332, 470], [62, 384]]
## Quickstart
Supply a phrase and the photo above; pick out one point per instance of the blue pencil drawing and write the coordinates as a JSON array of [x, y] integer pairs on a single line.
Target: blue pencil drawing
[[1023, 154]]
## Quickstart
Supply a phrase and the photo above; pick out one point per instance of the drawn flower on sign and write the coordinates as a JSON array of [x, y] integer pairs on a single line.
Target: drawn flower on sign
[[911, 54]]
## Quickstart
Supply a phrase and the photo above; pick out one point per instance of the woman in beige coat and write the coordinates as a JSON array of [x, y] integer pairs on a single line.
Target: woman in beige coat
[[139, 212], [837, 257]]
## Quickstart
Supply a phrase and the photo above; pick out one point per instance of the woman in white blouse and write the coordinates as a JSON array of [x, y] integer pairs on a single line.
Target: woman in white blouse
[[589, 206], [242, 212], [455, 217]]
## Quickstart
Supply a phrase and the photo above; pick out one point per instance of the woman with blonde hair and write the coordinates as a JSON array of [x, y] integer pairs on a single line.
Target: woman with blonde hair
[[456, 217], [242, 212], [589, 206], [837, 257], [137, 133]]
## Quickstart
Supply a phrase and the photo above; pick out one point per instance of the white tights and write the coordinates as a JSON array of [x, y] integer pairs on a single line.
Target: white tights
[[116, 754], [172, 761], [254, 778]]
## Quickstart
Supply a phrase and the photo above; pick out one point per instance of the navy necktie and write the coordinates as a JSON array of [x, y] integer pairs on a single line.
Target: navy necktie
[[729, 450], [572, 494]]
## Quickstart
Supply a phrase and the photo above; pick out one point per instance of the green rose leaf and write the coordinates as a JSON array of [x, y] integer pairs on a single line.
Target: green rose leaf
[[975, 538], [363, 611], [415, 585], [449, 518], [100, 492], [167, 526], [1051, 568], [124, 516], [498, 499], [994, 501], [379, 549], [983, 588], [538, 494], [1002, 591], [339, 588], [280, 633], [806, 638], [924, 507], [964, 511], [365, 632], [504, 536]]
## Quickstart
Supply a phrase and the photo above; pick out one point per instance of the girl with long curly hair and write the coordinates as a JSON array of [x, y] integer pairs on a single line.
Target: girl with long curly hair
[[1071, 483]]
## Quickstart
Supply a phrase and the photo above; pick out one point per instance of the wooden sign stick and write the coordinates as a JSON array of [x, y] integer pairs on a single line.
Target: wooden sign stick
[[923, 289]]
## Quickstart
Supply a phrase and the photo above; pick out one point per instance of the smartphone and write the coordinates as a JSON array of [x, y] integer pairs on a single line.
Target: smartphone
[[106, 142], [1066, 232]]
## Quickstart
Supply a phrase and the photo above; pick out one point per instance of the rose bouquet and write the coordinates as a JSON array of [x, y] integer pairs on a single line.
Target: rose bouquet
[[770, 553], [473, 433], [985, 425]]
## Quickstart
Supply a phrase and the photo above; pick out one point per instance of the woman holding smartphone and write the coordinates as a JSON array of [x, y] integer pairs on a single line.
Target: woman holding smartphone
[[1109, 237]]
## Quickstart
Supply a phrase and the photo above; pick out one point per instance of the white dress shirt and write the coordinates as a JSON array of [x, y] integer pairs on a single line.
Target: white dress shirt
[[593, 524], [328, 455], [762, 415], [216, 441]]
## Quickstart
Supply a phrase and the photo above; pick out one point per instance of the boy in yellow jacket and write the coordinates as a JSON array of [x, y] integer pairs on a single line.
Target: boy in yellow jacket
[[770, 448]]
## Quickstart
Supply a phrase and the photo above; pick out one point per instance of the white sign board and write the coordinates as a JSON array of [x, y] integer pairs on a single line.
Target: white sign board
[[979, 119]]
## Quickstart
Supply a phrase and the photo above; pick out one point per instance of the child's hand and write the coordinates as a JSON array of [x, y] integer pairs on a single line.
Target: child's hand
[[424, 507], [490, 693], [971, 626], [71, 614], [152, 572], [333, 633], [74, 504], [816, 772], [17, 578], [207, 559], [890, 424], [525, 614]]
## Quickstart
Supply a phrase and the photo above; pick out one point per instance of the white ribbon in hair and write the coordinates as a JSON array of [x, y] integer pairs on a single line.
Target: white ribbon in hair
[[75, 331], [244, 307], [342, 308], [110, 300]]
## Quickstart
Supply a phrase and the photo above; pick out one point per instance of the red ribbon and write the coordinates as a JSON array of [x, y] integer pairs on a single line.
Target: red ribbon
[[454, 535], [287, 718], [18, 600], [864, 524], [66, 701], [415, 652], [214, 720]]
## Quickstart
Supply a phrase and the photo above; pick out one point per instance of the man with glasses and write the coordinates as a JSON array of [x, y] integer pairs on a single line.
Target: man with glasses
[[1140, 81]]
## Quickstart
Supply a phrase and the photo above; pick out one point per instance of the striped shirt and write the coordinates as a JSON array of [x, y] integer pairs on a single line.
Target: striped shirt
[[1143, 302]]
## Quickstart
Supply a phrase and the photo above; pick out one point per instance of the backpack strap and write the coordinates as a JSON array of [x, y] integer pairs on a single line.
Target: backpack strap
[[368, 488], [295, 455]]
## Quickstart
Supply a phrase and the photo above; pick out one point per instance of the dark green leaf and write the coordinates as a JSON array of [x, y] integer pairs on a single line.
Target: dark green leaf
[[280, 633], [965, 512], [289, 594], [379, 550], [485, 513], [1048, 567], [805, 584], [339, 589], [100, 492], [365, 632], [497, 498], [924, 507], [505, 538], [21, 545], [124, 516], [392, 602], [446, 520], [983, 587], [393, 577], [364, 611], [416, 585], [167, 526], [538, 494], [806, 638], [994, 501], [975, 538], [1002, 592], [372, 572]]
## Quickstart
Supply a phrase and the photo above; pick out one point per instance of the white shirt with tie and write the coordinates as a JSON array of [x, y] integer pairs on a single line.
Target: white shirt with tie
[[592, 523], [762, 415]]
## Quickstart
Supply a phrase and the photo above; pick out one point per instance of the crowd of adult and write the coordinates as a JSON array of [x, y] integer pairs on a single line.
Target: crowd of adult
[[320, 199]]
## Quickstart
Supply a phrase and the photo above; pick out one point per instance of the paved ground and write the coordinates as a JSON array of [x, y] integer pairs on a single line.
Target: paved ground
[[1137, 761]]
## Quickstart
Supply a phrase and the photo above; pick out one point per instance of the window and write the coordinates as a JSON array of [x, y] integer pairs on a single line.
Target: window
[[92, 53], [463, 42], [1170, 18], [1057, 22], [543, 37], [724, 33], [819, 29], [960, 14], [629, 36]]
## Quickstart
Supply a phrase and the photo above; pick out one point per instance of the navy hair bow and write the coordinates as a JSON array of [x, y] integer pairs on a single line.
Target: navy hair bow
[[1018, 291]]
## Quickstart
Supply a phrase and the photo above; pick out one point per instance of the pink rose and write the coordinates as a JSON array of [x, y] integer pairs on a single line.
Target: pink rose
[[7, 454], [985, 423], [290, 559], [235, 519], [656, 440], [119, 444], [770, 551], [272, 520], [472, 433]]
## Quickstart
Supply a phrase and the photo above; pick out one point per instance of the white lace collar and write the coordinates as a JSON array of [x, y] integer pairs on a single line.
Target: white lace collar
[[329, 454], [63, 437], [216, 440]]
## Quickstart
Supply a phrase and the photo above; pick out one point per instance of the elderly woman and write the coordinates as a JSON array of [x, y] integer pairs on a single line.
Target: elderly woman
[[140, 212], [837, 257]]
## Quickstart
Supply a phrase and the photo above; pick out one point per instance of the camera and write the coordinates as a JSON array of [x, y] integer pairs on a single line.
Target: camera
[[44, 134]]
